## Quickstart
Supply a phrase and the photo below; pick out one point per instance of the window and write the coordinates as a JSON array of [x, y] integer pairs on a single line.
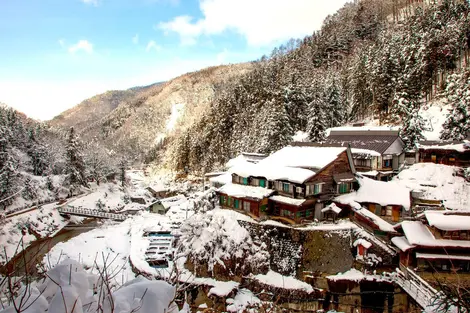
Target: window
[[245, 181], [223, 200], [314, 189], [317, 189], [343, 188], [389, 210], [308, 213], [262, 183], [246, 206], [285, 187], [387, 163], [299, 190], [362, 162], [229, 201], [235, 203], [255, 182]]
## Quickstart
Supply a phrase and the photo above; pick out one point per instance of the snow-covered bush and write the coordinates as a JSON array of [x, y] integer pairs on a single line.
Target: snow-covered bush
[[68, 288], [216, 239]]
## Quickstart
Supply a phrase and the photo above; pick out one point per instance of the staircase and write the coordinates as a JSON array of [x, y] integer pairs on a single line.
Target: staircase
[[416, 287]]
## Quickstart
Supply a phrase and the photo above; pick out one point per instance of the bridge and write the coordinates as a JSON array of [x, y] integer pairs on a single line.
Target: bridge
[[416, 287], [91, 213]]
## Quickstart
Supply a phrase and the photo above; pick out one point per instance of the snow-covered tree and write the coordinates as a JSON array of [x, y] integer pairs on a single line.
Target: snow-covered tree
[[316, 125], [8, 168], [457, 125], [75, 165]]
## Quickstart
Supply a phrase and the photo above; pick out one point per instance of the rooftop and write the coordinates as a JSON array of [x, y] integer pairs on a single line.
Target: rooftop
[[418, 234], [443, 220], [236, 190]]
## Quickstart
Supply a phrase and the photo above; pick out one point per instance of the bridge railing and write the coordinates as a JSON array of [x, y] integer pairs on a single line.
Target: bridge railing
[[92, 213]]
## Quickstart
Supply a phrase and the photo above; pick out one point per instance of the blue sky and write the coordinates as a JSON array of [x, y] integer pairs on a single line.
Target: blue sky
[[56, 53]]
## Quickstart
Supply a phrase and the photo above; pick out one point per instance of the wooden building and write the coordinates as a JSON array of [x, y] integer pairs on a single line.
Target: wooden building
[[440, 242], [293, 183], [378, 152], [455, 153]]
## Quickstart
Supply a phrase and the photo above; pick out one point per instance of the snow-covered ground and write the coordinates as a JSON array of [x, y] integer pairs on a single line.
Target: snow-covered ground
[[437, 182], [18, 231]]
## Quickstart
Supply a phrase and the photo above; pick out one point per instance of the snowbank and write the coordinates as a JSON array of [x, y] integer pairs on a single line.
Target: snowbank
[[279, 281], [20, 231], [69, 288], [236, 190]]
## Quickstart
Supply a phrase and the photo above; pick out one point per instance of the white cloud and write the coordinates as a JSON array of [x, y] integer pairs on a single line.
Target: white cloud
[[135, 39], [81, 45], [62, 43], [92, 2], [261, 22], [153, 45]]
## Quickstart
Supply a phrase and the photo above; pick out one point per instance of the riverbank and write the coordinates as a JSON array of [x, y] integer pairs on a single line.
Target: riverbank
[[30, 259]]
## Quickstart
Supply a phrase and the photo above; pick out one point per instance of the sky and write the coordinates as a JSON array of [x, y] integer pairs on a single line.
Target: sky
[[56, 53]]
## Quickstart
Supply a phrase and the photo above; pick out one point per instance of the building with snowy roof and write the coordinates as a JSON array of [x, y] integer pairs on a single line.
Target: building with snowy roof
[[455, 153], [378, 152], [439, 241], [293, 183]]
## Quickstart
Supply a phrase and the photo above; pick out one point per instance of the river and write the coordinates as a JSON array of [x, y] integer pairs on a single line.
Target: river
[[34, 254]]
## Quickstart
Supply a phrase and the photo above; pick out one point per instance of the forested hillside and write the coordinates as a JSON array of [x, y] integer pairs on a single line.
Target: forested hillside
[[372, 58], [39, 164]]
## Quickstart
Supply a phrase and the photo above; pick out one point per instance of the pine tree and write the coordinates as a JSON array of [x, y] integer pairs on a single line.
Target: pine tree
[[333, 99], [9, 176], [316, 125], [38, 154], [457, 125], [75, 166], [122, 170], [277, 131], [412, 131]]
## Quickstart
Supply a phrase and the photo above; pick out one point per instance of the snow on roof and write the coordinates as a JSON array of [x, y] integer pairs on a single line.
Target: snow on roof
[[275, 279], [363, 243], [442, 256], [377, 220], [332, 207], [459, 147], [365, 152], [236, 190], [225, 178], [305, 157], [273, 172], [243, 158], [365, 128], [437, 182], [383, 193], [402, 243], [419, 235], [447, 222], [287, 200]]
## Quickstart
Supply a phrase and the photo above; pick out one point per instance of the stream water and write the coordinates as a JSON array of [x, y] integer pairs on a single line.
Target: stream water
[[34, 254]]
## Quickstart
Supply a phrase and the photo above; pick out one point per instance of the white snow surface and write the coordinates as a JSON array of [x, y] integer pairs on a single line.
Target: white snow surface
[[303, 157], [419, 235], [365, 151], [442, 256], [236, 190], [377, 220], [45, 222], [443, 220], [357, 276], [402, 243], [176, 111], [287, 200], [460, 147], [435, 113], [275, 279], [383, 193], [106, 197], [437, 182], [68, 286], [300, 136], [366, 244], [273, 172], [332, 207], [244, 298]]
